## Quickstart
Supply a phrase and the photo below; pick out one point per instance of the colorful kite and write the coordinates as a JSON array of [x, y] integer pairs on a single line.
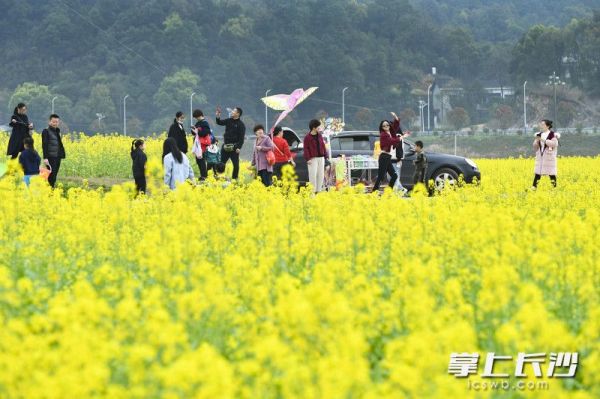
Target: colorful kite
[[287, 102]]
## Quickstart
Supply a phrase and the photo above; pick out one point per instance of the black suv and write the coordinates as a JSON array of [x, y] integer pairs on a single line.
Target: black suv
[[442, 168]]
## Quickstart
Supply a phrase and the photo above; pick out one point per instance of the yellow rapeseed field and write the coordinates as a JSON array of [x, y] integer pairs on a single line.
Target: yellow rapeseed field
[[249, 292]]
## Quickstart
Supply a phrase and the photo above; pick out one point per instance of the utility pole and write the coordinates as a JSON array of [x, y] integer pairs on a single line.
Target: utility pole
[[554, 80], [344, 105], [525, 108], [125, 115], [267, 112], [53, 99]]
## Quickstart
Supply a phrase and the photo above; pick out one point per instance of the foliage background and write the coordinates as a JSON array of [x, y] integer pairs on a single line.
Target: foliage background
[[92, 53]]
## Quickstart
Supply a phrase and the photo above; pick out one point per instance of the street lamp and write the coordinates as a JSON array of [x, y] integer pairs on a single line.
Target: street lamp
[[524, 108], [344, 105], [53, 99], [100, 117], [428, 117], [191, 105], [554, 80], [125, 115], [422, 104], [267, 112]]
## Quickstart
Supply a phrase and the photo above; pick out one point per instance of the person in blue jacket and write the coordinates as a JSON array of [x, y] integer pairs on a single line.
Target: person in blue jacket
[[30, 160]]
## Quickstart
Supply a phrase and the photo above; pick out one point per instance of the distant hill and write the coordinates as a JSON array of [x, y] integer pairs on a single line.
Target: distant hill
[[90, 54], [500, 20]]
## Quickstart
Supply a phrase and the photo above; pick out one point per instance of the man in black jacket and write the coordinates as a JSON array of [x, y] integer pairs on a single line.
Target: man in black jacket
[[233, 139], [52, 147]]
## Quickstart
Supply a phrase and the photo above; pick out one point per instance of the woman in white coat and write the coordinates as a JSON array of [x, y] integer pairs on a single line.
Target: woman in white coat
[[176, 165], [545, 146]]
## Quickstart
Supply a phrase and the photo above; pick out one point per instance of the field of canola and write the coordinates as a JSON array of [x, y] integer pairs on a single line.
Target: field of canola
[[248, 292]]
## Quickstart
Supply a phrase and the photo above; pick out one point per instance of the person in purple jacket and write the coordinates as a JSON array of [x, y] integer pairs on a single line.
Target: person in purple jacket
[[315, 154], [262, 146]]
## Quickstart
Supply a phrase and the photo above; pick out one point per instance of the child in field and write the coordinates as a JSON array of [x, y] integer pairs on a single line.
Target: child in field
[[213, 156], [138, 156], [220, 175], [30, 160], [420, 163]]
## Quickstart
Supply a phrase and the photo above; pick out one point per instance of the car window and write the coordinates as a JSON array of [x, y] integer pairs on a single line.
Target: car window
[[335, 143], [346, 143], [352, 143], [361, 143]]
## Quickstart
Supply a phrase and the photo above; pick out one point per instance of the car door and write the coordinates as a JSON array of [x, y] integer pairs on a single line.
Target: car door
[[296, 149], [408, 167]]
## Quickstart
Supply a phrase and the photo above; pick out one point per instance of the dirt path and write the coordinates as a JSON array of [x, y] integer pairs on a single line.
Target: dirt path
[[93, 182]]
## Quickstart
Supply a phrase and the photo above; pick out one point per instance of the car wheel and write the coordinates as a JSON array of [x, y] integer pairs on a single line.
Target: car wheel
[[443, 177]]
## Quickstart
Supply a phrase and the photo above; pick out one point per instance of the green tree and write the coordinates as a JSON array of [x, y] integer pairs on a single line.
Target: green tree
[[100, 110], [37, 97], [565, 113], [458, 118], [504, 115], [408, 117], [364, 118], [173, 23], [538, 54], [175, 90]]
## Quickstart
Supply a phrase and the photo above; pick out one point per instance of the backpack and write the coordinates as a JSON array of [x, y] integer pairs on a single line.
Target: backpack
[[212, 154]]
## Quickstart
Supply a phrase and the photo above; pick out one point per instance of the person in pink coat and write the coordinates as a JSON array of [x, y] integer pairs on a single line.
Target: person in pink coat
[[262, 145], [545, 146]]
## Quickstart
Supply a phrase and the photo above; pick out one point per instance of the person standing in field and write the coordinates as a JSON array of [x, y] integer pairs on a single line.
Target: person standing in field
[[281, 148], [420, 163], [397, 160], [177, 132], [262, 145], [233, 138], [387, 138], [315, 154], [139, 159], [203, 133], [21, 129], [29, 160], [52, 148], [545, 146], [176, 164], [213, 156]]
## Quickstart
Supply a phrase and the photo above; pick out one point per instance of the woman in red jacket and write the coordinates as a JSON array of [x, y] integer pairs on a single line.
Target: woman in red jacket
[[315, 154], [387, 140], [283, 155]]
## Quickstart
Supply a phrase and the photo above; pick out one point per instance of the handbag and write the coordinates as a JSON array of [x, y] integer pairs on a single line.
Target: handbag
[[196, 148], [205, 141], [228, 147], [45, 172], [270, 155]]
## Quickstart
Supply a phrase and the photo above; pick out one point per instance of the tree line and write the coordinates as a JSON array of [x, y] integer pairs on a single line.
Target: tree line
[[88, 55]]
